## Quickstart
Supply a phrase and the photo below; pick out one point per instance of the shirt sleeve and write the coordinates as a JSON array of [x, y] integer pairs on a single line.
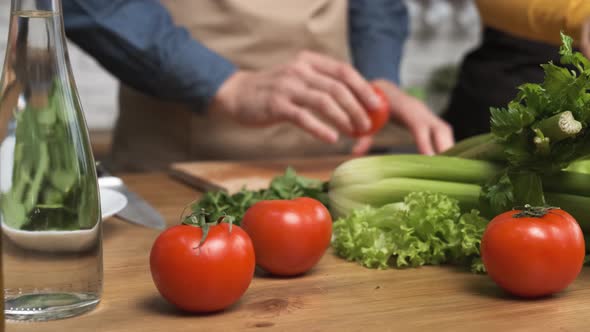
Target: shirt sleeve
[[137, 41], [378, 30], [540, 20]]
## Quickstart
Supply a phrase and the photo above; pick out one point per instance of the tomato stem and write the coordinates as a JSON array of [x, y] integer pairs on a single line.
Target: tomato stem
[[533, 211], [183, 218], [200, 220]]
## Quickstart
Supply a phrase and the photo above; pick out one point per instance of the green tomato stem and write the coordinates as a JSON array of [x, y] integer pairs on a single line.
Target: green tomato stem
[[200, 220], [533, 211]]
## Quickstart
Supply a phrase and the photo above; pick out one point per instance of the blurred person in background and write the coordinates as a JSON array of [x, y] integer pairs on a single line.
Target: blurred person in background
[[231, 79], [540, 20], [518, 36], [543, 21]]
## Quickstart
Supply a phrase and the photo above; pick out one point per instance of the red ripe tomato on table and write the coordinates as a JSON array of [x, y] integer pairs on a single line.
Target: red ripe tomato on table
[[289, 236], [533, 252], [200, 274]]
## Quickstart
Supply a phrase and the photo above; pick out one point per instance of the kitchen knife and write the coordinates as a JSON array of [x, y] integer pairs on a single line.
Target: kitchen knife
[[137, 211]]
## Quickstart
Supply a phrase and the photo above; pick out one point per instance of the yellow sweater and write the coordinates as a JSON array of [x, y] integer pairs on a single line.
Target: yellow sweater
[[536, 19]]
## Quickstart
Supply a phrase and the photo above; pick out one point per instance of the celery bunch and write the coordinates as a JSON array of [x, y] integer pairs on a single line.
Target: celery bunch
[[380, 180], [542, 131]]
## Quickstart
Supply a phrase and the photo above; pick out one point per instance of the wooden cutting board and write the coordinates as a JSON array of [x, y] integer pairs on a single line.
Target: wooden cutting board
[[232, 176]]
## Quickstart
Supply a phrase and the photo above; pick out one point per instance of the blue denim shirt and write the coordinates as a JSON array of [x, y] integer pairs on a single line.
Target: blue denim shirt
[[137, 41]]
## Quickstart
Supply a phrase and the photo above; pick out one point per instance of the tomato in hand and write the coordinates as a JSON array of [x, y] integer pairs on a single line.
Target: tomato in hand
[[379, 116], [289, 236], [535, 252], [204, 277]]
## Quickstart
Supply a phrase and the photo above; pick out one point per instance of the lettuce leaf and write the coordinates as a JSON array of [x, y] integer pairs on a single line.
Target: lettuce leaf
[[426, 229]]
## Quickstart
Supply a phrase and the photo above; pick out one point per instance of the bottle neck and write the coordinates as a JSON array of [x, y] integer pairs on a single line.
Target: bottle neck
[[36, 5], [37, 52]]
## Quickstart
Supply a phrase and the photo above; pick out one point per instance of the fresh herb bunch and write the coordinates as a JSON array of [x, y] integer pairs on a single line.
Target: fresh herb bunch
[[287, 186], [542, 130]]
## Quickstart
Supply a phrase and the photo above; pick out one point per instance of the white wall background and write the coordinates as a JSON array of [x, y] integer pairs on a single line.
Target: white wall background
[[429, 47]]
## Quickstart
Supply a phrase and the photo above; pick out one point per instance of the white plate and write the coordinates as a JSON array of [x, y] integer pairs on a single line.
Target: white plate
[[111, 202]]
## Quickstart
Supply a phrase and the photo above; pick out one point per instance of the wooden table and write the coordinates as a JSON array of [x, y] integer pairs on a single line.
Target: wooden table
[[336, 295]]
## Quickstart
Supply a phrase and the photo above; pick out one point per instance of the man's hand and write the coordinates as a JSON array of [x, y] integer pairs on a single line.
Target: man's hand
[[324, 97], [320, 95], [585, 36], [431, 133]]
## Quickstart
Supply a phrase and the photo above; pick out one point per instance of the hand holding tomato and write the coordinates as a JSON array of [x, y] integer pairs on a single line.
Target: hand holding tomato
[[289, 236], [535, 252], [317, 93], [431, 133], [379, 116], [202, 274]]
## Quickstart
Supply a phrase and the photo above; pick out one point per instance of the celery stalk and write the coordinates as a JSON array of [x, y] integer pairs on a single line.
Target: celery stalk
[[560, 126], [568, 183], [394, 190], [490, 151], [467, 144], [443, 168], [576, 205], [388, 191]]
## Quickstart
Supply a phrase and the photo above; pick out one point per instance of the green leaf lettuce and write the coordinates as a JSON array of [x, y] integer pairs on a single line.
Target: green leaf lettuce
[[426, 229]]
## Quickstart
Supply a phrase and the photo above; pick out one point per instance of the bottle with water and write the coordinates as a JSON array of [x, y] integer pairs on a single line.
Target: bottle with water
[[49, 198]]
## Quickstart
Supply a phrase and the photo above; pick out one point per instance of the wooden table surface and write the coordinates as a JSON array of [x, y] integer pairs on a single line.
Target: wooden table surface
[[335, 296]]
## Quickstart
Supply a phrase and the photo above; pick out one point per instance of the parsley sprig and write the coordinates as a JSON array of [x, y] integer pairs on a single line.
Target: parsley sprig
[[287, 186]]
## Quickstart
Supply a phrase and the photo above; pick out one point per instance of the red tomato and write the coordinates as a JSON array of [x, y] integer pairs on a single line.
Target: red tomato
[[207, 278], [533, 256], [289, 236], [379, 116]]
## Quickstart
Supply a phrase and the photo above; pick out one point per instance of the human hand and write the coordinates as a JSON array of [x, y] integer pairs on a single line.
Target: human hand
[[585, 36], [431, 133], [316, 93]]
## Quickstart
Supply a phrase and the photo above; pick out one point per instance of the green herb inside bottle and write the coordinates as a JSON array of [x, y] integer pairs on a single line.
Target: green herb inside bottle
[[50, 187]]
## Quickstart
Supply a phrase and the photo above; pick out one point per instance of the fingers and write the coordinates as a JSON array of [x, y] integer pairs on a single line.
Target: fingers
[[302, 118], [585, 36], [315, 101], [431, 134], [362, 146], [328, 107], [345, 73], [443, 137], [267, 97], [340, 96], [433, 137], [423, 141]]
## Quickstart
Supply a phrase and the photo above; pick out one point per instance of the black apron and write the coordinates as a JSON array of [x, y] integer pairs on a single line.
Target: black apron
[[489, 77]]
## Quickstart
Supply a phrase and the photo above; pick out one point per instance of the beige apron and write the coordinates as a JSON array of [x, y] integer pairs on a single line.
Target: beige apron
[[253, 34]]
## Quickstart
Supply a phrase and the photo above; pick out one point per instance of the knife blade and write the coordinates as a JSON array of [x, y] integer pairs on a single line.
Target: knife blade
[[137, 211]]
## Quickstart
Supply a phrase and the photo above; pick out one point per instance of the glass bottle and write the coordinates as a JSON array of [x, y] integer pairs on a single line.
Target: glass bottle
[[2, 320], [49, 198]]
